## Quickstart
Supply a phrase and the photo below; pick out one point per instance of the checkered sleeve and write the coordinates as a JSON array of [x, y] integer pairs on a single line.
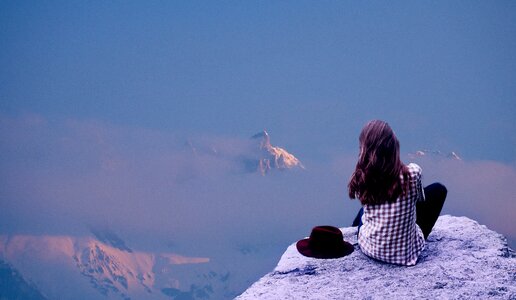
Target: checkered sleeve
[[389, 232], [416, 175]]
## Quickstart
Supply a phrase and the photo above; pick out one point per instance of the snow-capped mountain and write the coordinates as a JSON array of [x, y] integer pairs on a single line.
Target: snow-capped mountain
[[256, 155], [65, 267], [269, 157], [435, 153]]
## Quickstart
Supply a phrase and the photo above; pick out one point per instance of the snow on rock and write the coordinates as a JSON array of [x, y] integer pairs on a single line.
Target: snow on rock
[[271, 157], [435, 153], [462, 260], [66, 267]]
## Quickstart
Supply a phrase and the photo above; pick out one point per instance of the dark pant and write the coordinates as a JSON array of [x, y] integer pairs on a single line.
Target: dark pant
[[427, 211]]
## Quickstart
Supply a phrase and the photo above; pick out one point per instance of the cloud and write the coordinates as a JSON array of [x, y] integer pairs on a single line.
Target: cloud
[[61, 177], [482, 190], [190, 194]]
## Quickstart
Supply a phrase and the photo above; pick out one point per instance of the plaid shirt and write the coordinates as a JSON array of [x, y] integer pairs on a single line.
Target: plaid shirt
[[389, 232]]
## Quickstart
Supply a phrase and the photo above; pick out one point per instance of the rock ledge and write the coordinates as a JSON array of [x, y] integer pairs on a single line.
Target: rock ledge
[[462, 259]]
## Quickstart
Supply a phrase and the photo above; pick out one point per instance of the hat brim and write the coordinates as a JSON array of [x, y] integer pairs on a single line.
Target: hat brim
[[303, 246]]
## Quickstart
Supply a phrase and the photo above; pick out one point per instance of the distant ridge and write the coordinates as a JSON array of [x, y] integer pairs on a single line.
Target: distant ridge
[[435, 153]]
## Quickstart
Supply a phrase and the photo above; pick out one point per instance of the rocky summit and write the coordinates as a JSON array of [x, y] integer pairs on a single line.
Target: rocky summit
[[462, 260], [268, 157]]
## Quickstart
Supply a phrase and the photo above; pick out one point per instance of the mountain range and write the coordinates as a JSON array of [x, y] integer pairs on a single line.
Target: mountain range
[[66, 267]]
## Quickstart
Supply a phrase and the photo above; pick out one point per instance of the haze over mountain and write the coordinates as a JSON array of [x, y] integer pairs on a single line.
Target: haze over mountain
[[101, 263], [14, 286]]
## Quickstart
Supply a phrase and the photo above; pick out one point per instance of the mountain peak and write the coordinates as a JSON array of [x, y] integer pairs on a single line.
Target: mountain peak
[[271, 157], [265, 142], [108, 237], [434, 153], [454, 155]]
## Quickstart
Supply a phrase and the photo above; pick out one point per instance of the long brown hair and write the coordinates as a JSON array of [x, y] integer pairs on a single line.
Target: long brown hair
[[377, 179]]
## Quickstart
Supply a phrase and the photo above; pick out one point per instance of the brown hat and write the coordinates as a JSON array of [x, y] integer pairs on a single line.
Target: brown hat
[[325, 242]]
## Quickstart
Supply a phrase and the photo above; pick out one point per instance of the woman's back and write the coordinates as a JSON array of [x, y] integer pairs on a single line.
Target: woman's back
[[392, 195], [389, 232]]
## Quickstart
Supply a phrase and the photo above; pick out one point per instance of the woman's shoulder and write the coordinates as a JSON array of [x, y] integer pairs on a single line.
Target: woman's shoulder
[[414, 169]]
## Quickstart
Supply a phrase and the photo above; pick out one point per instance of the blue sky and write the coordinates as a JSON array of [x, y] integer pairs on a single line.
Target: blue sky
[[312, 73]]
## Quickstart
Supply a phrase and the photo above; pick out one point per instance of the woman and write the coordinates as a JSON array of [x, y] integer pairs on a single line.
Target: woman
[[397, 214]]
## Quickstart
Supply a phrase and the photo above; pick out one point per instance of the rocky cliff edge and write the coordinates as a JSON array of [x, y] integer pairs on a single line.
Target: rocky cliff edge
[[462, 260]]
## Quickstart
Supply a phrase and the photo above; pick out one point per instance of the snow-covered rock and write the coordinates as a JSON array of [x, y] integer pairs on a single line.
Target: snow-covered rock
[[271, 157], [462, 260], [436, 154], [254, 155]]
